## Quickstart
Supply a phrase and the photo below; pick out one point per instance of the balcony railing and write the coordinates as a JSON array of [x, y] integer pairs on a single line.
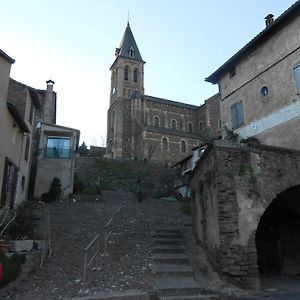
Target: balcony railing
[[57, 153]]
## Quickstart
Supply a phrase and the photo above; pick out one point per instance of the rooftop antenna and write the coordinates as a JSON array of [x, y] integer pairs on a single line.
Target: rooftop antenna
[[128, 17]]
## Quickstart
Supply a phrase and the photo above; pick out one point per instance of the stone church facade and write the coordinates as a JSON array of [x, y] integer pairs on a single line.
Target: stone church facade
[[141, 126]]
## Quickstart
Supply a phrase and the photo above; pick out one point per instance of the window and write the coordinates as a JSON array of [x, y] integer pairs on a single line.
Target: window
[[220, 124], [297, 78], [183, 146], [156, 121], [190, 127], [237, 115], [173, 124], [126, 72], [135, 75], [232, 72], [131, 52], [58, 147], [23, 183], [27, 148], [264, 92], [164, 144], [200, 125]]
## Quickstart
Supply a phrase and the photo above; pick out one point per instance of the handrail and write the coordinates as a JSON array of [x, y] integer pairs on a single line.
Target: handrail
[[15, 214], [106, 233], [85, 263]]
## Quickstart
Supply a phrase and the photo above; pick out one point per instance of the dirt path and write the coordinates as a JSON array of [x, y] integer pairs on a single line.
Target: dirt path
[[73, 226]]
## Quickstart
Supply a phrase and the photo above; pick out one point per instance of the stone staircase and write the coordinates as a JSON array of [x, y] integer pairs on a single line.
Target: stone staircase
[[173, 273]]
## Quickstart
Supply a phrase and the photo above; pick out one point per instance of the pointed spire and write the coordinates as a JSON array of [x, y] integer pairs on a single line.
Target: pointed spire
[[128, 47]]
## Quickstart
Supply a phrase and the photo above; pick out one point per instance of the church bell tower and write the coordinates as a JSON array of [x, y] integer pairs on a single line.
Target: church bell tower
[[127, 83]]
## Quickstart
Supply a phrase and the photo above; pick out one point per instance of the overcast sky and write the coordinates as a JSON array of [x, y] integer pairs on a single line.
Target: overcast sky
[[73, 42]]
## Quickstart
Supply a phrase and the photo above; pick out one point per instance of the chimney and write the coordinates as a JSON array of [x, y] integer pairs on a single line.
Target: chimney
[[49, 104], [269, 19]]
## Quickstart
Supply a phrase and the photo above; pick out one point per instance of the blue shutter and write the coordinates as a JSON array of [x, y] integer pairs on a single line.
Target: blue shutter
[[234, 120], [240, 114], [297, 78]]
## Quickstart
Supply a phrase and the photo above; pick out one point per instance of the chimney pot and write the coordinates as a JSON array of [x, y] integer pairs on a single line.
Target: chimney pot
[[50, 81], [269, 19]]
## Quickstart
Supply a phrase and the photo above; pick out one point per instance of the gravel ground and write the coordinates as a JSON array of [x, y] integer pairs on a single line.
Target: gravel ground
[[75, 224]]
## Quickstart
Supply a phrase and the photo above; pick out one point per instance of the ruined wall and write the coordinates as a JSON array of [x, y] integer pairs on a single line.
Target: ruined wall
[[232, 187]]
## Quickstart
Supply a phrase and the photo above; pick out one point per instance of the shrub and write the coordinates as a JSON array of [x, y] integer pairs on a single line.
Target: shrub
[[186, 208], [11, 267], [55, 189], [78, 185], [25, 221]]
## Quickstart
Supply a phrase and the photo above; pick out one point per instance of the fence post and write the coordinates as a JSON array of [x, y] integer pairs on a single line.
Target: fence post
[[105, 237], [84, 266], [97, 257]]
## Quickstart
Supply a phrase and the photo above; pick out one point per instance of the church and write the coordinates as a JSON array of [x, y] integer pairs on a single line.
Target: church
[[140, 126]]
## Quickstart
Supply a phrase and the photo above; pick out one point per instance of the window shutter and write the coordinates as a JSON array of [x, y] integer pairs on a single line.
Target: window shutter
[[240, 113], [233, 116], [297, 78]]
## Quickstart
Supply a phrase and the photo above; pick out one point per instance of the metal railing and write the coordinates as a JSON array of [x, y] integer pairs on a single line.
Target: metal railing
[[95, 255], [107, 231]]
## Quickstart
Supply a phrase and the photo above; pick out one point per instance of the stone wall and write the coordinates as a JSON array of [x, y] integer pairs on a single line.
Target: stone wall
[[232, 186]]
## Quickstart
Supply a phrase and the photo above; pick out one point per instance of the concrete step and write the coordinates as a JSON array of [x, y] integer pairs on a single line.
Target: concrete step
[[174, 258], [168, 242], [168, 249], [177, 286], [168, 230], [167, 235], [190, 297], [172, 270]]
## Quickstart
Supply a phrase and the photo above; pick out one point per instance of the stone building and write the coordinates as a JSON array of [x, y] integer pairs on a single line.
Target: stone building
[[28, 134], [246, 195], [17, 115], [140, 126], [260, 84], [54, 149], [246, 210]]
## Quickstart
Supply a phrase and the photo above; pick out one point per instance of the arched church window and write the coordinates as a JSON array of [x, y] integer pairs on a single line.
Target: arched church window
[[190, 126], [135, 75], [173, 124], [164, 143], [126, 72], [156, 121], [183, 146], [131, 52]]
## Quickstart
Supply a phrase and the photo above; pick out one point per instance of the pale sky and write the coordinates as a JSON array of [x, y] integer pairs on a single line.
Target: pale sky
[[73, 42]]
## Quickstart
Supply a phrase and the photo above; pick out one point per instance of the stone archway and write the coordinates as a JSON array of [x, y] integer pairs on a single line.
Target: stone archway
[[277, 235]]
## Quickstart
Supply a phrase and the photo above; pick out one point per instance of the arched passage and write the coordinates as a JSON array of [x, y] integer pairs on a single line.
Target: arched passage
[[278, 235]]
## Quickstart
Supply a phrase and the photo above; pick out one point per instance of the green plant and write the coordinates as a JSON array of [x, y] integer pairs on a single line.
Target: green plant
[[55, 189], [78, 185], [11, 267], [186, 208], [25, 221], [230, 135], [244, 169]]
